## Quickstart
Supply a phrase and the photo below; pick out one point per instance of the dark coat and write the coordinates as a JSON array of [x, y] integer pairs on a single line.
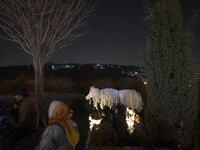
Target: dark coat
[[105, 136], [28, 113], [81, 116], [4, 119]]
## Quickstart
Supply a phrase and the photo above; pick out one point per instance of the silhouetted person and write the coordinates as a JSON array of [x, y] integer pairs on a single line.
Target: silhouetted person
[[120, 125], [19, 95], [81, 117], [135, 137], [106, 134], [4, 119], [72, 123], [28, 119]]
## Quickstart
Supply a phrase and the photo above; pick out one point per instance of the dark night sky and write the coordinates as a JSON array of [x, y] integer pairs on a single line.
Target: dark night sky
[[117, 35]]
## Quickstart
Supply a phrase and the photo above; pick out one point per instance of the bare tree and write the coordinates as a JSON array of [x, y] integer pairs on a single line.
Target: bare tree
[[42, 27]]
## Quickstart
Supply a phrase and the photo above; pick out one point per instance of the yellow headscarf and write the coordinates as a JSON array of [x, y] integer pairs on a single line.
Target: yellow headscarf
[[59, 112]]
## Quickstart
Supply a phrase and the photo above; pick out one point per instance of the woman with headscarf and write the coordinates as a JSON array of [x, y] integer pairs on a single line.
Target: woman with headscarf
[[59, 135]]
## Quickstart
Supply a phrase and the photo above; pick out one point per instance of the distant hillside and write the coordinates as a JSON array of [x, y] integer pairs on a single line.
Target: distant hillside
[[73, 71]]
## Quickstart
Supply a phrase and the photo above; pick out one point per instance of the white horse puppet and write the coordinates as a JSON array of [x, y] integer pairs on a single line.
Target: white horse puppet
[[109, 97]]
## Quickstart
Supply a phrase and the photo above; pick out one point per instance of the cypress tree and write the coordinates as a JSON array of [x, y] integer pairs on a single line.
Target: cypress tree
[[172, 92]]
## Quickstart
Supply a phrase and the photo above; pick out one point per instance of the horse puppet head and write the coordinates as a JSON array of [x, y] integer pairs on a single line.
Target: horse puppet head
[[93, 93]]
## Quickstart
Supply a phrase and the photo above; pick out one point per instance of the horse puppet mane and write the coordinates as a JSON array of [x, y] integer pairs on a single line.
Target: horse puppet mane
[[110, 97]]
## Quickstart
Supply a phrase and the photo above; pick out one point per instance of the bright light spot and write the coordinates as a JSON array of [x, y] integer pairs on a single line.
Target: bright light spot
[[130, 119], [145, 82], [68, 66], [94, 122], [53, 67]]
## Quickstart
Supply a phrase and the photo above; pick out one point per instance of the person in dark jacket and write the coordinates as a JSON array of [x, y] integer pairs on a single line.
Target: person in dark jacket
[[28, 120], [120, 125], [106, 135], [4, 119], [81, 117], [19, 95]]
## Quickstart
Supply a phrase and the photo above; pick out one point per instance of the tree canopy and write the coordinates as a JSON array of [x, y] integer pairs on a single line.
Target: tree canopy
[[172, 93]]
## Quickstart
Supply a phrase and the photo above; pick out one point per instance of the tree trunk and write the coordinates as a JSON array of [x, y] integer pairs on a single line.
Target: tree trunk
[[39, 86], [39, 76]]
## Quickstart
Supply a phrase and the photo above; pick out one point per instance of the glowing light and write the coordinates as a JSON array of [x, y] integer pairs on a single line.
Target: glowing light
[[130, 119], [145, 82], [67, 66], [94, 122]]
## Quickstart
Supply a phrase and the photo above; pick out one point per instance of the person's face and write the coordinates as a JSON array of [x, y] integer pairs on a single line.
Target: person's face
[[19, 98], [71, 112]]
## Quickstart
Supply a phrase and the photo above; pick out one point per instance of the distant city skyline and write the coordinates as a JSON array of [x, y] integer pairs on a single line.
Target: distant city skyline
[[117, 35]]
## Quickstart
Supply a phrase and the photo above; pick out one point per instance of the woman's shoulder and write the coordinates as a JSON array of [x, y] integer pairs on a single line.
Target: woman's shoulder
[[53, 130], [72, 123], [53, 137]]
